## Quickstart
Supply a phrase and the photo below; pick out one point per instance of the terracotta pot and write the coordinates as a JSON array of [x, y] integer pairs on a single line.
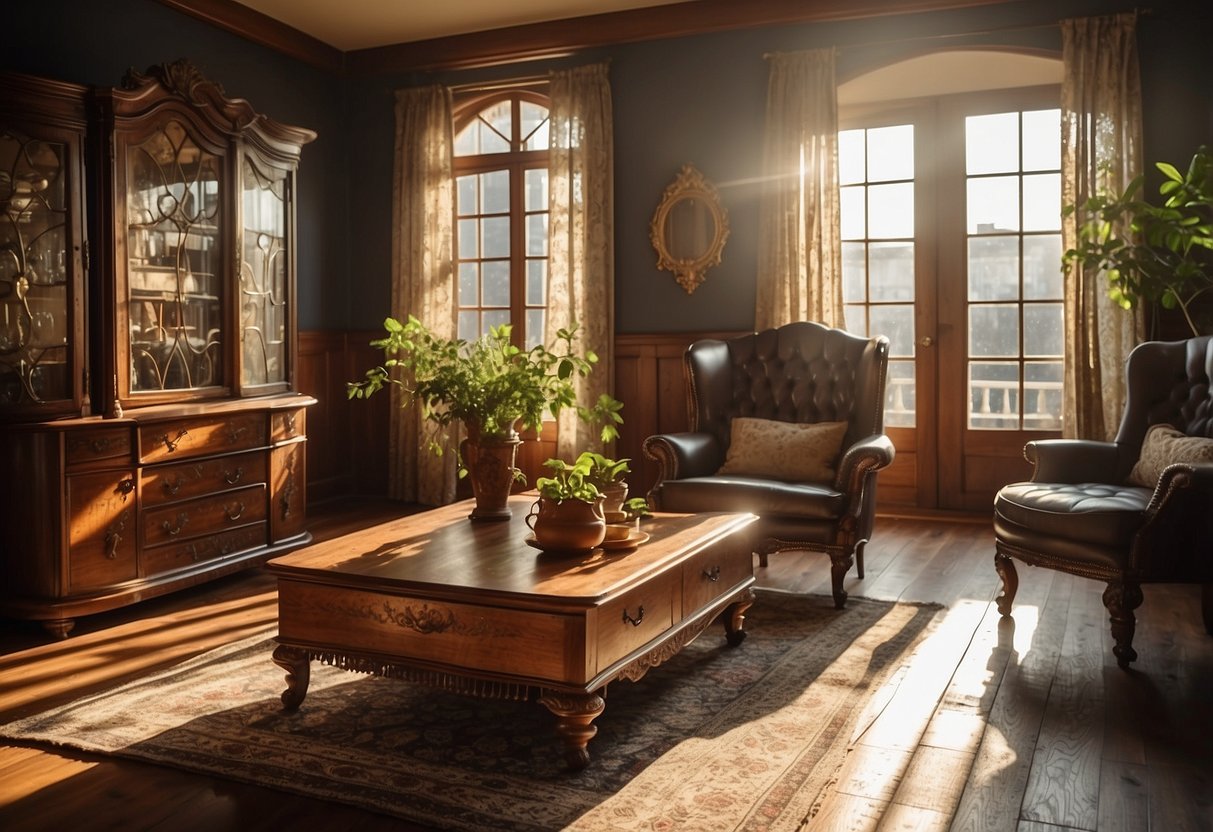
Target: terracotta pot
[[568, 525], [614, 496], [490, 464]]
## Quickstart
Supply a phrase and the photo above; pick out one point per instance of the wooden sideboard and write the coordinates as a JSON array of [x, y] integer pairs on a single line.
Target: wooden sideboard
[[118, 510]]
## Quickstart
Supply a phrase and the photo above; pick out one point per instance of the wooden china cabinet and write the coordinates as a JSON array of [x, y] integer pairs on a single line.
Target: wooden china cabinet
[[150, 432]]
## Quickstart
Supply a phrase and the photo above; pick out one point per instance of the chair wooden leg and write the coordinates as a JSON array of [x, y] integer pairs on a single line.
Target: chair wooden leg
[[1005, 567], [1206, 607], [1120, 599], [859, 558], [762, 558], [840, 564]]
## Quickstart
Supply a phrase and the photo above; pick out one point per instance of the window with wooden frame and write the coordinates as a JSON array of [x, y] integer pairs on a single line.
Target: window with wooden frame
[[501, 213]]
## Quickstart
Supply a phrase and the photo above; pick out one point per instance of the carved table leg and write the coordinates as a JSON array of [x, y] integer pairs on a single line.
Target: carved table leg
[[734, 618], [574, 713], [298, 673], [1005, 567]]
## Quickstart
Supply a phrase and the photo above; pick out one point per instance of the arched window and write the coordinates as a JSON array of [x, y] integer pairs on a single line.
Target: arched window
[[501, 214]]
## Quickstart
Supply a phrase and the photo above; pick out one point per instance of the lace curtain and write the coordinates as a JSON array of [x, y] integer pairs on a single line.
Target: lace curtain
[[422, 278], [1101, 150], [581, 264], [799, 258]]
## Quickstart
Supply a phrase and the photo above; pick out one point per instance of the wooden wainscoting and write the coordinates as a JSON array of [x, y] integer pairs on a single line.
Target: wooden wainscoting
[[346, 439]]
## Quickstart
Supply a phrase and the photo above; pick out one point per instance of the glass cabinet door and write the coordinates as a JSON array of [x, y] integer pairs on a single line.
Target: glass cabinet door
[[37, 269], [265, 301], [175, 285]]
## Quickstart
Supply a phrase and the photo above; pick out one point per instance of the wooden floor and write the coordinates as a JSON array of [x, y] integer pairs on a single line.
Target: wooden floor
[[1019, 724]]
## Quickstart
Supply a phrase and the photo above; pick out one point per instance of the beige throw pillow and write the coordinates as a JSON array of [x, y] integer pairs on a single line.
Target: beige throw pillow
[[784, 450], [1163, 446]]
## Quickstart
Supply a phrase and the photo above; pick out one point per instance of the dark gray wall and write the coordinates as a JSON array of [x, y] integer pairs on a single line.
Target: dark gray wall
[[90, 42], [696, 99]]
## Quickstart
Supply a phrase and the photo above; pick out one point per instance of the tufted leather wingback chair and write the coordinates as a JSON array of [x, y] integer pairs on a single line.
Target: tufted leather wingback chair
[[801, 372], [1078, 514]]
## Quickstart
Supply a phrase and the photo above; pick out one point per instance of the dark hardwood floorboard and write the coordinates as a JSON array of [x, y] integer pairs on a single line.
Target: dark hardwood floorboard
[[1020, 724]]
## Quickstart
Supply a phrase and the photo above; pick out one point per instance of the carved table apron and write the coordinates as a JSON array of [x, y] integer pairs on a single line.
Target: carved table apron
[[471, 608]]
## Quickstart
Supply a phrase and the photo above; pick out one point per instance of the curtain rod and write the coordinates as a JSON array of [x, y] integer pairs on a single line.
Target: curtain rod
[[949, 36], [508, 83]]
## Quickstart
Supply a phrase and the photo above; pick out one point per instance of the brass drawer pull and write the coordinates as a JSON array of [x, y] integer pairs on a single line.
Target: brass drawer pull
[[234, 433], [101, 445], [234, 514], [171, 488], [713, 574], [233, 477], [113, 535], [172, 444], [635, 622], [172, 530]]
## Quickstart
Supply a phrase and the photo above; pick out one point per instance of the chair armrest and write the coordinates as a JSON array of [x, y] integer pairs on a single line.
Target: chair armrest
[[682, 455], [1072, 460], [869, 454]]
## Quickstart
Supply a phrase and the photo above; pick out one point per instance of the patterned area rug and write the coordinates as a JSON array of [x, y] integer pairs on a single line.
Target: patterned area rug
[[716, 739]]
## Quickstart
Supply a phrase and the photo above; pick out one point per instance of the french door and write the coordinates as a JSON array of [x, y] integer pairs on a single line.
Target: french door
[[951, 218]]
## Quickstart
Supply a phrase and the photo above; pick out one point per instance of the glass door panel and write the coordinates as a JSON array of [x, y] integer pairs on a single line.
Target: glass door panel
[[264, 275], [35, 271], [174, 283]]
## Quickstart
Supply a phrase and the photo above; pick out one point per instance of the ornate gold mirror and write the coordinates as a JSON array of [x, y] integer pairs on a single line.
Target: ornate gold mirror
[[689, 228]]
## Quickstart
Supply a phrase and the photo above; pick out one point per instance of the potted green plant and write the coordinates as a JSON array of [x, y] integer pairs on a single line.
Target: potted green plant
[[493, 387], [1161, 254], [607, 475], [568, 514]]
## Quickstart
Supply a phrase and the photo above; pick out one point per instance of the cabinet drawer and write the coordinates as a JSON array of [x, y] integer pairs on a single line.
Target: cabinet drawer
[[157, 559], [101, 508], [636, 617], [204, 515], [525, 643], [712, 573], [185, 438], [166, 483], [87, 446], [288, 424]]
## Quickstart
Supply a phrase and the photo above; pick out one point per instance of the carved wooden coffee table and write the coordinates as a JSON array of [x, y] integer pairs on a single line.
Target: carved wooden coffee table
[[471, 608]]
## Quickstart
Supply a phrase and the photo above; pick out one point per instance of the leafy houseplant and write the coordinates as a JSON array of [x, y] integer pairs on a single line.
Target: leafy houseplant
[[490, 385], [1161, 254], [607, 475]]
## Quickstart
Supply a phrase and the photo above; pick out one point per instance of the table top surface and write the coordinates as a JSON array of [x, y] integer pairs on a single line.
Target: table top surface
[[441, 548]]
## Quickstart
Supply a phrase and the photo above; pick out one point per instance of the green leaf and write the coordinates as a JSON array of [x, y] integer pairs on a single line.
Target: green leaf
[[1169, 171]]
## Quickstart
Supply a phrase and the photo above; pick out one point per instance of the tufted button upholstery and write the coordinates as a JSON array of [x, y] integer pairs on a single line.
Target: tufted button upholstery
[[805, 373], [1101, 527]]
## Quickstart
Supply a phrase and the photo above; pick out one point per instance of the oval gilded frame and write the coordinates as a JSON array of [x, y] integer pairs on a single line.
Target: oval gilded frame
[[690, 188]]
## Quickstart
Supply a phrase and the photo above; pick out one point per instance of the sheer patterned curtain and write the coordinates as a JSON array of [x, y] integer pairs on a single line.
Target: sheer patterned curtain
[[422, 277], [581, 254], [1101, 150], [799, 258]]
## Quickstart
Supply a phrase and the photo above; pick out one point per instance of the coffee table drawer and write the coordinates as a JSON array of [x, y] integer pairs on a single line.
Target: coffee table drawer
[[637, 617], [712, 573], [472, 637]]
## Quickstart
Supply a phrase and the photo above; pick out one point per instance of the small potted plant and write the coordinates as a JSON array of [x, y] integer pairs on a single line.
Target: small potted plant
[[607, 475], [493, 387], [568, 514]]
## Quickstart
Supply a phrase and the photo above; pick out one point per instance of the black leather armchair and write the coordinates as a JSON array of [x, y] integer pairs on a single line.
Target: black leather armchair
[[804, 373], [1081, 516]]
